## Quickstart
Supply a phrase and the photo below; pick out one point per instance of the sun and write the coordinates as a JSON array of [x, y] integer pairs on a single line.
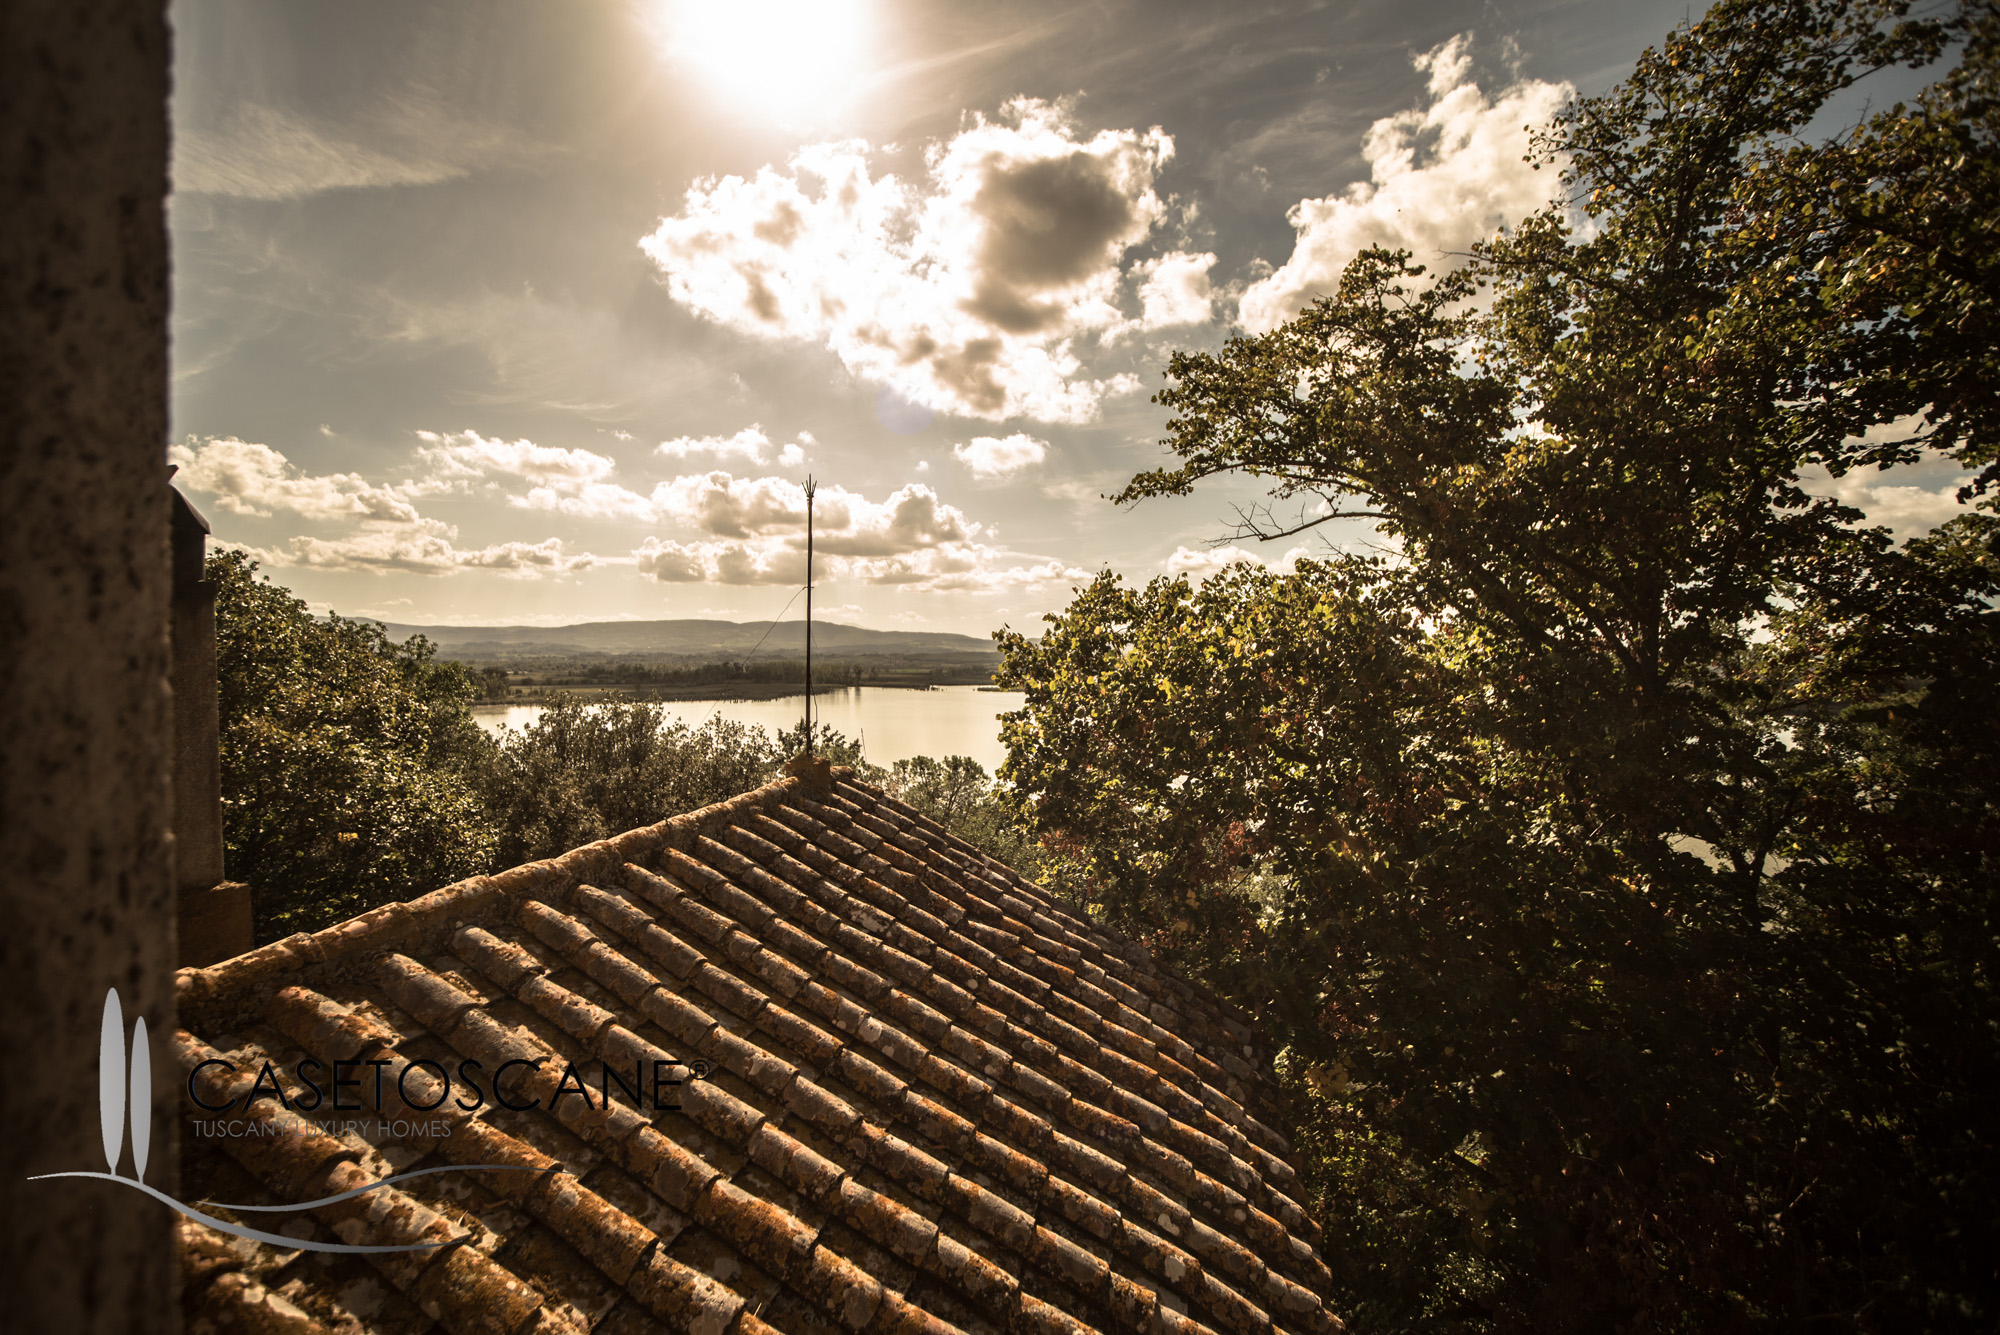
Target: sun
[[786, 58]]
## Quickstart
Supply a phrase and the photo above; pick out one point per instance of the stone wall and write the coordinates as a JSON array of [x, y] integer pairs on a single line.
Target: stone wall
[[85, 717]]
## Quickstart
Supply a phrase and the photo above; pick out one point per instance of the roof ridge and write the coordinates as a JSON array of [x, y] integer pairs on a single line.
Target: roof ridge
[[922, 974], [430, 918], [925, 1098], [1116, 1019], [1234, 1112]]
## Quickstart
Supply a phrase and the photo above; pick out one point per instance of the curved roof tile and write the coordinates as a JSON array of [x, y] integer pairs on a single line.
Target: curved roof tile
[[797, 1062]]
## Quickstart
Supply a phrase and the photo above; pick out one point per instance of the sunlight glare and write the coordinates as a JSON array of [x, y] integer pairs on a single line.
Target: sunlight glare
[[787, 58]]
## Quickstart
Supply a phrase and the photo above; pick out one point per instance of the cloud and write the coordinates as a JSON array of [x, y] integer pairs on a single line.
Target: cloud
[[262, 153], [758, 561], [844, 524], [1174, 290], [1908, 512], [753, 532], [256, 480], [251, 479], [988, 457], [469, 454], [970, 570], [724, 505], [963, 291], [445, 122], [426, 548], [569, 481], [749, 444], [1922, 495], [1202, 563], [1470, 181], [910, 519]]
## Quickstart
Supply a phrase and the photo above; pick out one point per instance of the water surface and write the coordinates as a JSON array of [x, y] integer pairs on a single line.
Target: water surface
[[892, 724]]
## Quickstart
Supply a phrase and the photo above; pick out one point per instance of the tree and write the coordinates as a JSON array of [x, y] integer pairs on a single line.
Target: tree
[[583, 772], [958, 794], [1615, 861], [348, 761]]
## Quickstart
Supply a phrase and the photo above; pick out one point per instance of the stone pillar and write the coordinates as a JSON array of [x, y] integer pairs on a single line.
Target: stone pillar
[[214, 913], [197, 760], [86, 727]]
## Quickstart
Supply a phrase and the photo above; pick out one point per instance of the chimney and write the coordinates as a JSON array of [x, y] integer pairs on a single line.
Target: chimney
[[214, 912]]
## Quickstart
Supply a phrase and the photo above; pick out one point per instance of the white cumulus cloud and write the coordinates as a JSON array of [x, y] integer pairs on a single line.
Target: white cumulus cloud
[[988, 456], [750, 444], [1174, 290], [469, 454], [569, 481], [1440, 178], [1909, 500], [752, 531], [247, 478], [1204, 562], [388, 534], [756, 561], [965, 290], [427, 548]]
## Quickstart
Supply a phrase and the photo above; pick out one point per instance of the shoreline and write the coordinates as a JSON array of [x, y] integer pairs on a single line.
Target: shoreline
[[719, 693]]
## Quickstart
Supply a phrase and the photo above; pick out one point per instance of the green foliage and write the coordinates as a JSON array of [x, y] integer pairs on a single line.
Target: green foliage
[[490, 683], [583, 772], [1616, 862], [828, 744], [716, 674], [354, 774], [957, 793], [347, 759]]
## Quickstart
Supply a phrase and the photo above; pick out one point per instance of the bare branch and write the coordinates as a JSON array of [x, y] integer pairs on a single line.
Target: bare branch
[[1257, 522]]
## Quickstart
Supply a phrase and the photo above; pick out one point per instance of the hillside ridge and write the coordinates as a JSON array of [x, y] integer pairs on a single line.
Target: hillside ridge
[[687, 637]]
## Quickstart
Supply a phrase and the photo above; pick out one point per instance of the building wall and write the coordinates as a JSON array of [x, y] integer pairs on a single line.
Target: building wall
[[86, 879]]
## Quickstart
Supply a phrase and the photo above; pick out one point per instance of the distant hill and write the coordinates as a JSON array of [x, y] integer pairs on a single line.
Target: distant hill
[[708, 640]]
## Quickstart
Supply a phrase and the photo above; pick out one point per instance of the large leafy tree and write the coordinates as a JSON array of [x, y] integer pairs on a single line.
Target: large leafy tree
[[349, 761], [1617, 860]]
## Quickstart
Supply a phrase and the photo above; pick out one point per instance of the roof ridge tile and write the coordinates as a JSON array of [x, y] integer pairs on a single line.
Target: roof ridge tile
[[918, 1054], [1217, 1155]]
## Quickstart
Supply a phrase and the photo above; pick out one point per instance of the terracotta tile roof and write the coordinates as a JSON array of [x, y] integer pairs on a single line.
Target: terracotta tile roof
[[917, 1097]]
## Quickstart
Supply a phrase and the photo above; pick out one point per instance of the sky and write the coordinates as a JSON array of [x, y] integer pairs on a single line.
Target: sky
[[521, 313]]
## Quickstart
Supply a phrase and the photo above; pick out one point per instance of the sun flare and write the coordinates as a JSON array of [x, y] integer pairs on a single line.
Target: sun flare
[[788, 58]]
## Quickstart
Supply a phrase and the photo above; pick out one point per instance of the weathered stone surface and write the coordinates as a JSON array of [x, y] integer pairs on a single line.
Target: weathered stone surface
[[85, 714]]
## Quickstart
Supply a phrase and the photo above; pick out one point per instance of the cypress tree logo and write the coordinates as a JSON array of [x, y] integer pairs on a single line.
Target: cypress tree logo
[[127, 1086]]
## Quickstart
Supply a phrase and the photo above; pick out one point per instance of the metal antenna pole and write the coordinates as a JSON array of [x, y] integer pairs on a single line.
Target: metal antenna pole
[[809, 614]]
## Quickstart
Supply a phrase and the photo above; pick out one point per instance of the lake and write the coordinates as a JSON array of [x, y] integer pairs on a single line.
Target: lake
[[892, 724]]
